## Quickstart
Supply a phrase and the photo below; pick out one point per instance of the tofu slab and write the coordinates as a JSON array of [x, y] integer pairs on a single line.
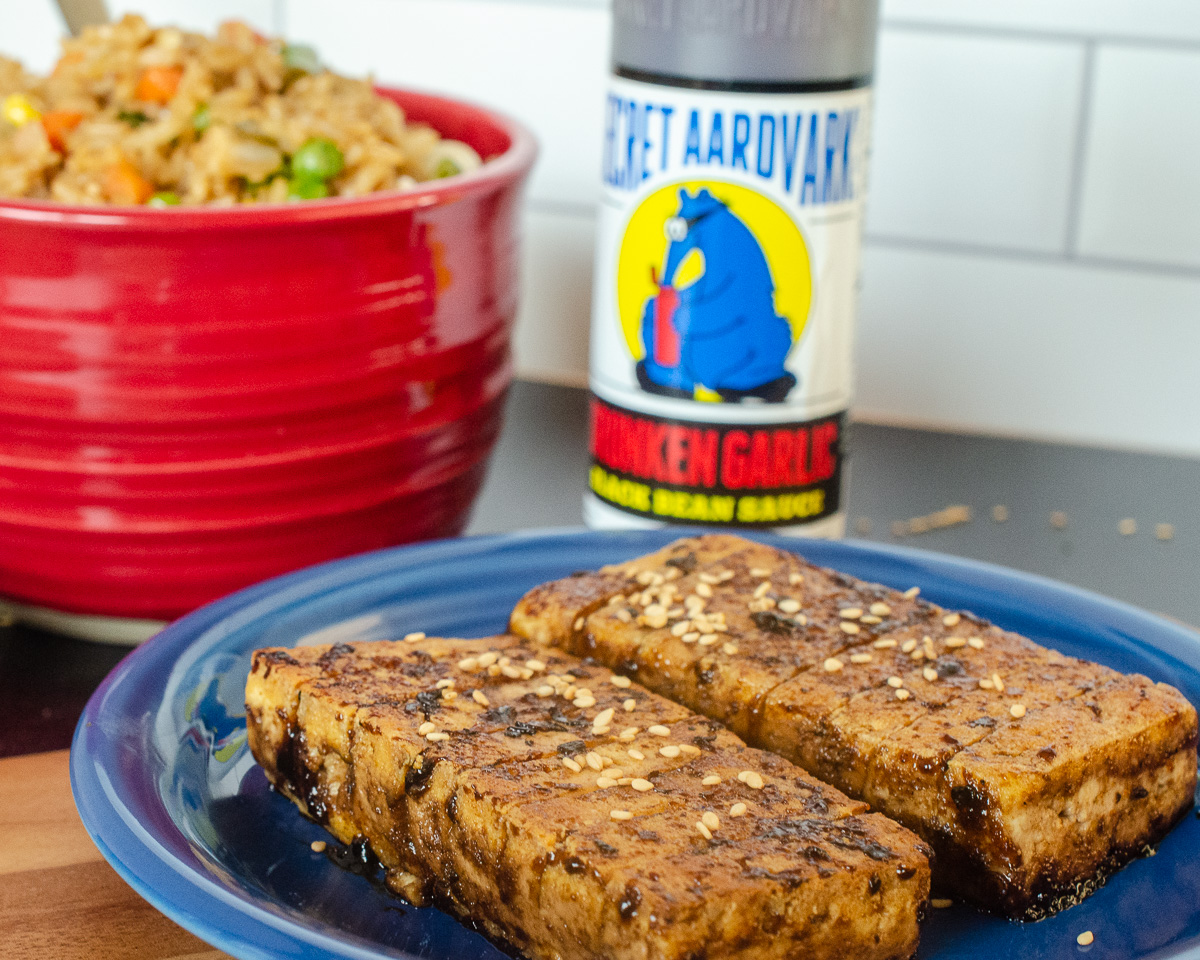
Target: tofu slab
[[1031, 774], [574, 814]]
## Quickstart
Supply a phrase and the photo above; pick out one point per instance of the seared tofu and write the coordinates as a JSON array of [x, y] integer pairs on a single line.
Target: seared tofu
[[934, 717], [573, 813]]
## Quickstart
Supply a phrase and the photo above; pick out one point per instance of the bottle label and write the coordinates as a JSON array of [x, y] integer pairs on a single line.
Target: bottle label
[[722, 330]]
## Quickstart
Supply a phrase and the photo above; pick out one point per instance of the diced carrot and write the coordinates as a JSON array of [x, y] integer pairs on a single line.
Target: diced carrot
[[58, 123], [158, 84], [123, 184]]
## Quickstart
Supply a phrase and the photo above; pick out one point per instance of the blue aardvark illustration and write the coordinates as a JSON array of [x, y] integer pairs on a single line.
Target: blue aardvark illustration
[[721, 332]]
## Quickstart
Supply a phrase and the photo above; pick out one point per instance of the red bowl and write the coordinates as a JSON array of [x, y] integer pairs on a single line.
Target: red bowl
[[194, 399]]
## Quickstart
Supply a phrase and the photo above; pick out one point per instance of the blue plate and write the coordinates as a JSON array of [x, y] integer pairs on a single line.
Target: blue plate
[[169, 792]]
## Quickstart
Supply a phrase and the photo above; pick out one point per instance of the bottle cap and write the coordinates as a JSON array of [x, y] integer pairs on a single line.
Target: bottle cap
[[770, 42]]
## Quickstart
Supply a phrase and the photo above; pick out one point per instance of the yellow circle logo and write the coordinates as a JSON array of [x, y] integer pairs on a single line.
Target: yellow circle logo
[[713, 287]]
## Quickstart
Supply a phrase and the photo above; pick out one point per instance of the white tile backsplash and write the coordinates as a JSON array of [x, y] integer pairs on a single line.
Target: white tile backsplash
[[974, 139], [1017, 279], [32, 29], [551, 341], [543, 63], [1167, 20], [1052, 350], [1141, 185]]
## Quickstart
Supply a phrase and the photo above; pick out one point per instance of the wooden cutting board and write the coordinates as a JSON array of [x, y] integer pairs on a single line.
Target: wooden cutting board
[[59, 899]]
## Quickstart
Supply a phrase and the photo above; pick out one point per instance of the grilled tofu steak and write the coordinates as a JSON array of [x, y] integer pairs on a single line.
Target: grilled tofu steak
[[573, 814], [1032, 775]]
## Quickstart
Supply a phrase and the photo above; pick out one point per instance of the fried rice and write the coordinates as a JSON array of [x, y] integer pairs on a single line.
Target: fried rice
[[132, 114]]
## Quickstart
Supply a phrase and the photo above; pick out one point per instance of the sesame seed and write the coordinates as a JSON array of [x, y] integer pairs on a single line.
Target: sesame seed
[[708, 639], [317, 846], [929, 674], [437, 737], [704, 590], [986, 684], [618, 681], [880, 609], [656, 610], [795, 578], [513, 673], [833, 665], [997, 682], [760, 572], [850, 613], [1058, 520], [703, 830], [729, 648], [680, 628], [659, 730], [480, 698], [762, 589], [955, 642], [604, 717], [636, 754], [976, 643], [690, 750], [571, 765], [1164, 531], [711, 780], [545, 690], [1017, 710], [870, 618], [939, 903], [443, 684], [601, 730], [1085, 939], [751, 779], [584, 702], [709, 578], [535, 665], [911, 593], [902, 694], [895, 682], [909, 646], [737, 810], [615, 773], [711, 820], [605, 782], [624, 615], [620, 814], [413, 637], [670, 751], [468, 663], [628, 705], [724, 575], [594, 761], [789, 605], [951, 619], [426, 727], [487, 659], [849, 627], [885, 644], [1127, 527], [690, 637], [930, 653], [579, 623], [641, 786], [628, 733], [861, 658]]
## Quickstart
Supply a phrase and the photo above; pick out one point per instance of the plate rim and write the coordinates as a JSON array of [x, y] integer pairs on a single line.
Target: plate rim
[[285, 937]]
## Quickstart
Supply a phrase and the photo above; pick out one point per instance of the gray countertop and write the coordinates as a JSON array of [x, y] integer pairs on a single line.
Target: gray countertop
[[540, 466]]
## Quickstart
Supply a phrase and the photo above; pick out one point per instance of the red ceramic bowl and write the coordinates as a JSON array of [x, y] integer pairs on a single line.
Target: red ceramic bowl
[[195, 399]]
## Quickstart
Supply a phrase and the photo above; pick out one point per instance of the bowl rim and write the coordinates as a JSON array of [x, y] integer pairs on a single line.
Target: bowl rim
[[513, 163]]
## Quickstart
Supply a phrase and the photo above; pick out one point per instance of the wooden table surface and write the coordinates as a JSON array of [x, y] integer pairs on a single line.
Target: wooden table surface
[[59, 899]]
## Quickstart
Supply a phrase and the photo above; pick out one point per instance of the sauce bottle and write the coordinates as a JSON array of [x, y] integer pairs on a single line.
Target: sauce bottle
[[728, 244]]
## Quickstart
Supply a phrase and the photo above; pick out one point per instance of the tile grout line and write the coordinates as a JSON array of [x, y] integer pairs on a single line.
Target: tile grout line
[[1174, 271], [1032, 33], [1080, 153]]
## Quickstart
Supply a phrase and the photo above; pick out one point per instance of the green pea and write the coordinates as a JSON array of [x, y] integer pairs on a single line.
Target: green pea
[[446, 168], [298, 56], [164, 198], [201, 118], [318, 159], [302, 188]]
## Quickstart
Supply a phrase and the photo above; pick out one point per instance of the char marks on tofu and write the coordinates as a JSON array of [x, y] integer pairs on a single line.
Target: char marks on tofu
[[1032, 775]]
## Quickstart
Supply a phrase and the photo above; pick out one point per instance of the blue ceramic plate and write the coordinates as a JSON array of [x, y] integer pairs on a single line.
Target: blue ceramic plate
[[168, 790]]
